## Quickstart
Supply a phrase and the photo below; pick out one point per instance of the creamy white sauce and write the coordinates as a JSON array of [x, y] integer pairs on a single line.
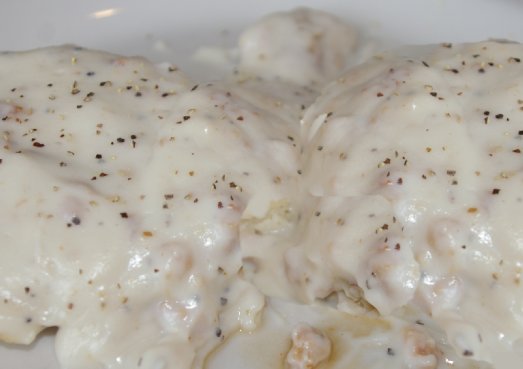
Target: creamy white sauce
[[160, 224], [124, 187]]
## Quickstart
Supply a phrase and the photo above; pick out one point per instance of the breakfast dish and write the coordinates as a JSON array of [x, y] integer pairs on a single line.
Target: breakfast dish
[[334, 218]]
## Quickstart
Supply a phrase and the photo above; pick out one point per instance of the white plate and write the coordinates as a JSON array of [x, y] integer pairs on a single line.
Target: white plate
[[171, 30], [134, 27]]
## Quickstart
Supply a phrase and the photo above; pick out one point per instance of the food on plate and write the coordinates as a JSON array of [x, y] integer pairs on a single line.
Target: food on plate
[[305, 47], [292, 214], [123, 187]]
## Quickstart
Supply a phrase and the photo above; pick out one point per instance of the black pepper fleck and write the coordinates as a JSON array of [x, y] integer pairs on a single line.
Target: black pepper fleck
[[390, 351]]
